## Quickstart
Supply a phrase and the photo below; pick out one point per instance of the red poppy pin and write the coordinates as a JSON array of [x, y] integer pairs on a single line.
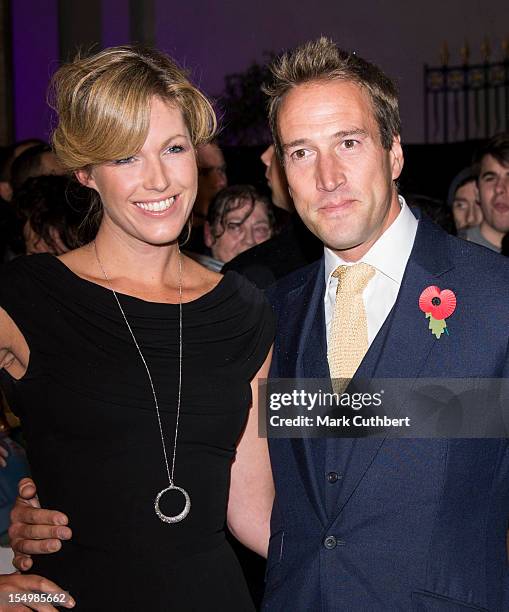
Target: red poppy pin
[[438, 305]]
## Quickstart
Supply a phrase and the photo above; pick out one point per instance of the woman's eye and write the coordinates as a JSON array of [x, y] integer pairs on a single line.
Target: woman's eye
[[123, 161], [175, 149]]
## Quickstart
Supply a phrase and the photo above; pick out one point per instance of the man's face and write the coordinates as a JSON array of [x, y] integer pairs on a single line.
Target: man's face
[[465, 208], [50, 164], [494, 193], [211, 173], [276, 179], [340, 176], [242, 228]]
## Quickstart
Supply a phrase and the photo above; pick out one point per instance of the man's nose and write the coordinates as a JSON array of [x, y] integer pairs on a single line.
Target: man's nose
[[470, 216], [267, 155], [220, 178], [502, 184], [249, 238], [329, 173]]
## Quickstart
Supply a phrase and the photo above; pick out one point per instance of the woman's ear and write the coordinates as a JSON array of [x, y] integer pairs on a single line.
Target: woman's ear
[[84, 176]]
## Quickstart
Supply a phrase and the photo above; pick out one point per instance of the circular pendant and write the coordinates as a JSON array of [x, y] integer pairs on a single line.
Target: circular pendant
[[179, 517]]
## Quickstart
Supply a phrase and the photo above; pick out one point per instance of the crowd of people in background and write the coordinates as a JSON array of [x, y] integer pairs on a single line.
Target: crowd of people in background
[[49, 214], [232, 227]]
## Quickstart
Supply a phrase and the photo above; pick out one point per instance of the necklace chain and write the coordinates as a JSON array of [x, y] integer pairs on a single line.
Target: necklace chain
[[149, 375]]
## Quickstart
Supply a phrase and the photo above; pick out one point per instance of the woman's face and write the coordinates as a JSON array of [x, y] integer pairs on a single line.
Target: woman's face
[[149, 196], [239, 232]]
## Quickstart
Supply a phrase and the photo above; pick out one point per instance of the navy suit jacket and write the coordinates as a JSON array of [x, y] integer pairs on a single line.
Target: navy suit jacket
[[416, 524]]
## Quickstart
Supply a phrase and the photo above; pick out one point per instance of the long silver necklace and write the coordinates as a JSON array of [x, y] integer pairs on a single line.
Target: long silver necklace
[[172, 486]]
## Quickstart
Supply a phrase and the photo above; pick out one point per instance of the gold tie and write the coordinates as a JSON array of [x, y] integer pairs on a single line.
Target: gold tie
[[348, 341]]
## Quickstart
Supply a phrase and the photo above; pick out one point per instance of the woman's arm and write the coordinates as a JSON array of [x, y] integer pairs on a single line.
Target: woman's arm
[[252, 488]]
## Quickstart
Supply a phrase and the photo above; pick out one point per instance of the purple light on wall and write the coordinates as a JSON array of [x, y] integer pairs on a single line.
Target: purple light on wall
[[35, 56], [115, 28]]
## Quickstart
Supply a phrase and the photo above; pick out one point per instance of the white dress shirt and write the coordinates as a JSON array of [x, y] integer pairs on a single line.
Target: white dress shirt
[[389, 256]]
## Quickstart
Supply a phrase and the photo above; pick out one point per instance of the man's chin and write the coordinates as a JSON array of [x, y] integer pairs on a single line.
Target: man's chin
[[340, 247]]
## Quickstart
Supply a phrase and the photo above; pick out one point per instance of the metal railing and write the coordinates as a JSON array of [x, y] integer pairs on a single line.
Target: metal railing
[[467, 101]]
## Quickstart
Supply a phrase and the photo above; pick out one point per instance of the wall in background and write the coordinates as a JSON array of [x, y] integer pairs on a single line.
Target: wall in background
[[217, 37], [35, 55]]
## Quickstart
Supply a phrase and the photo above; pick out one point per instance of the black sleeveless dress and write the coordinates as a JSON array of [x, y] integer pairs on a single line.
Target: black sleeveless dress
[[93, 439]]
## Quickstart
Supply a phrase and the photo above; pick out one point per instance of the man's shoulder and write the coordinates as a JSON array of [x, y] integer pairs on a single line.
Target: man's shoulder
[[278, 292], [480, 263]]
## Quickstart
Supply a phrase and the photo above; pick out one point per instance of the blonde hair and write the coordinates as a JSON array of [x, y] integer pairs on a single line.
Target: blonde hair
[[103, 104], [322, 60]]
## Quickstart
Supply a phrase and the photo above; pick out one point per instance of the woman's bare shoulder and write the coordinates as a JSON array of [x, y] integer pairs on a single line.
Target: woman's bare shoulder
[[77, 260], [198, 279]]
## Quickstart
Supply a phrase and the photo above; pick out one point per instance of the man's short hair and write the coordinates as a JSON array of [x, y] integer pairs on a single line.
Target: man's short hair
[[497, 146], [323, 60], [28, 164], [464, 176]]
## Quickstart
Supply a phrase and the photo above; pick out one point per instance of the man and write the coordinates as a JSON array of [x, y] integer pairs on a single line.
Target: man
[[378, 524], [462, 199], [238, 218], [374, 524], [493, 193], [10, 237], [38, 160], [276, 180], [211, 179], [292, 248], [12, 153]]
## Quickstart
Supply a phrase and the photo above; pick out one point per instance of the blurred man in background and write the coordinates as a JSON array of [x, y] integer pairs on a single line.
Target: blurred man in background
[[295, 246], [463, 200], [493, 193]]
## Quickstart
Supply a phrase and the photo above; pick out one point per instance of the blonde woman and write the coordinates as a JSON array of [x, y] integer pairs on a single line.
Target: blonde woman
[[134, 367]]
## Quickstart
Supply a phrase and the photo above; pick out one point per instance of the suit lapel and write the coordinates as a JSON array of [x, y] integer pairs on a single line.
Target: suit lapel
[[305, 355], [403, 344]]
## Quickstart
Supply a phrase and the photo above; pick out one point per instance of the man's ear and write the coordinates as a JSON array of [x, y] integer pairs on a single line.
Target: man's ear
[[5, 191], [477, 194], [208, 238], [84, 176], [397, 159]]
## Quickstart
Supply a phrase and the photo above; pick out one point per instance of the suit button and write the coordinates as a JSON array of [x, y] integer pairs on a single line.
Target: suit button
[[332, 477], [330, 542]]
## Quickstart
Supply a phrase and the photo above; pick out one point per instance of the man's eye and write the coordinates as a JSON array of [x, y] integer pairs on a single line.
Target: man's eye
[[233, 227], [299, 154], [349, 143], [262, 231]]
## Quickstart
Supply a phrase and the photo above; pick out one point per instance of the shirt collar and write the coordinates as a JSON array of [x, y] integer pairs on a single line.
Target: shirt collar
[[390, 253]]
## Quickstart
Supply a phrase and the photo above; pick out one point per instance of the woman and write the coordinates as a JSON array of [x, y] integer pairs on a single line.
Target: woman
[[133, 362], [238, 218]]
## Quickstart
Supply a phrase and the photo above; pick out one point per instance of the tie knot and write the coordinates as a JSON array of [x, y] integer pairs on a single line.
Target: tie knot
[[353, 279]]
